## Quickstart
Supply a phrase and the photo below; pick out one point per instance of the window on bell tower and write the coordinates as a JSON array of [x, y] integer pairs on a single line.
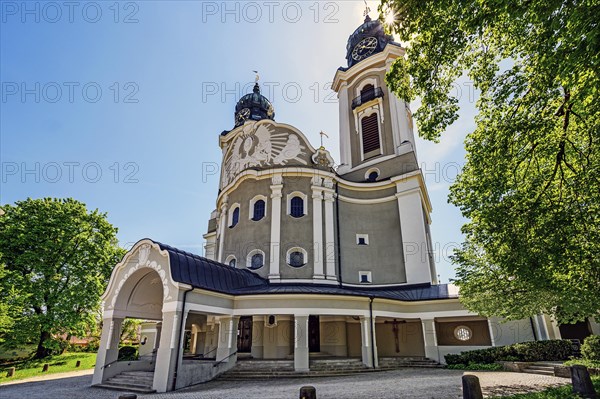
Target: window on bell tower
[[371, 145]]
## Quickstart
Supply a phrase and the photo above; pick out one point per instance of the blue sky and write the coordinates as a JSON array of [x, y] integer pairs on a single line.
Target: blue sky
[[120, 104]]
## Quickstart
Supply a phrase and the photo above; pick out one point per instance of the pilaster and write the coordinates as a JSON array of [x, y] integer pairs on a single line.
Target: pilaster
[[276, 187]]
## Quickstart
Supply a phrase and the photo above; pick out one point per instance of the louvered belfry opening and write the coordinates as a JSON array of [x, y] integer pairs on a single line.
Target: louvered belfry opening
[[370, 133]]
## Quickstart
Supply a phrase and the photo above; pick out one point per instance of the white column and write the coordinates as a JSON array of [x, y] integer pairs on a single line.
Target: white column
[[108, 351], [317, 196], [491, 329], [166, 354], [227, 344], [430, 340], [222, 228], [414, 237], [329, 238], [301, 362], [345, 145], [369, 346], [276, 187]]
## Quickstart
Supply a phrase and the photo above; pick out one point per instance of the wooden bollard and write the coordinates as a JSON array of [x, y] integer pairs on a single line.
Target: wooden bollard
[[308, 392], [128, 396], [78, 363], [11, 372], [45, 368], [582, 383], [471, 387]]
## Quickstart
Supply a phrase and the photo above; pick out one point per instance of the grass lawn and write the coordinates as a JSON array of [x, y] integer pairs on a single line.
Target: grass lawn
[[564, 392], [58, 364]]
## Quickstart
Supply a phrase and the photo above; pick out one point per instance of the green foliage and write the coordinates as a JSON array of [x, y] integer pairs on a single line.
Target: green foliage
[[590, 364], [524, 352], [563, 392], [590, 349], [58, 364], [530, 186], [58, 258], [476, 366], [128, 353]]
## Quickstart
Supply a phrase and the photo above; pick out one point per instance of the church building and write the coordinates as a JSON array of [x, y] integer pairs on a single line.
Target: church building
[[303, 260]]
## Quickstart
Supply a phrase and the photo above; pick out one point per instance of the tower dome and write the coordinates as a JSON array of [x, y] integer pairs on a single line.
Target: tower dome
[[368, 39], [253, 106]]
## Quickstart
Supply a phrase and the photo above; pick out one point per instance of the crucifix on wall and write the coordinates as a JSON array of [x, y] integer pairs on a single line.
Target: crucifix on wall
[[395, 329]]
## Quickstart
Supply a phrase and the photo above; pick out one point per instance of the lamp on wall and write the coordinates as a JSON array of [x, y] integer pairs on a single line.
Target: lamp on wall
[[144, 340]]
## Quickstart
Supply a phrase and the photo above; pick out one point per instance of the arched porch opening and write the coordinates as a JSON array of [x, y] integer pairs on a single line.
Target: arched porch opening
[[138, 295]]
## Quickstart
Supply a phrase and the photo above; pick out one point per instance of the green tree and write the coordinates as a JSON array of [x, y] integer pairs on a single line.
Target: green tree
[[530, 186], [58, 258]]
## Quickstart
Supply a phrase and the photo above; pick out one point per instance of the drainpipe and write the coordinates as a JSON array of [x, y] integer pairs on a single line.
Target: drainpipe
[[179, 340], [371, 323], [337, 228]]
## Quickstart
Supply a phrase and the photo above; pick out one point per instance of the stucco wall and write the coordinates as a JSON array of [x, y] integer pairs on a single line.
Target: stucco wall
[[383, 256], [410, 338], [480, 333]]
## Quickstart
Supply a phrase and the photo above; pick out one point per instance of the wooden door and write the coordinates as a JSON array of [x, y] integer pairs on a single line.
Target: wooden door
[[244, 341], [314, 340]]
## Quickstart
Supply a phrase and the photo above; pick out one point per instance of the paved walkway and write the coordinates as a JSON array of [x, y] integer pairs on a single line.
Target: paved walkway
[[403, 383]]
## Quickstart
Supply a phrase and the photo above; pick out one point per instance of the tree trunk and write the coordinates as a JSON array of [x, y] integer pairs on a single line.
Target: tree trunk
[[41, 351]]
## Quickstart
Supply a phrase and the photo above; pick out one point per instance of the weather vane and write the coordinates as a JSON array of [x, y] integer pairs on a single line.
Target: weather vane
[[323, 134], [257, 78], [367, 9]]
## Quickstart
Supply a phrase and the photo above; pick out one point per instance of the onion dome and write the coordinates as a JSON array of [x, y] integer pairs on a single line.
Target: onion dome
[[368, 39], [253, 106]]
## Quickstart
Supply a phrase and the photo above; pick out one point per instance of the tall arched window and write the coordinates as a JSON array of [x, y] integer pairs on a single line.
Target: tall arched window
[[257, 261], [235, 217], [259, 210], [297, 207], [370, 134], [367, 91]]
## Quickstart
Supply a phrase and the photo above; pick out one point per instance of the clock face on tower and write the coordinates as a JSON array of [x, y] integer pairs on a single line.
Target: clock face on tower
[[243, 115], [364, 48]]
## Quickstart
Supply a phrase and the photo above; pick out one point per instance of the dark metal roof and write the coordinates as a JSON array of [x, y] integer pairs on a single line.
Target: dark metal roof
[[200, 272]]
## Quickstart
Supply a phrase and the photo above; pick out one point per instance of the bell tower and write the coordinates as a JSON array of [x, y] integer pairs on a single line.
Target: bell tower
[[376, 128]]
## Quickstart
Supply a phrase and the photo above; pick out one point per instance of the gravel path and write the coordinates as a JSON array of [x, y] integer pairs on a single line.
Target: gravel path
[[403, 383]]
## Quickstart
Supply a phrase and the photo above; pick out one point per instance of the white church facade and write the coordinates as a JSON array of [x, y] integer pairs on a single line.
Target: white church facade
[[304, 260]]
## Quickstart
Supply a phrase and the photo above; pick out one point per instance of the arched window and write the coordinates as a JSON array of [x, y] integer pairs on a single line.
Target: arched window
[[367, 91], [259, 210], [297, 207], [296, 259], [231, 261], [370, 134], [257, 261], [235, 217]]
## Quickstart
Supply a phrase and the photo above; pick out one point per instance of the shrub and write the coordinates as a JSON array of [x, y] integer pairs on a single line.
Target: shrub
[[590, 349], [524, 352], [128, 353]]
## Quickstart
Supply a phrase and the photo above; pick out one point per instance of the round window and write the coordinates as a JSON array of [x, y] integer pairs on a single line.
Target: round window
[[463, 333]]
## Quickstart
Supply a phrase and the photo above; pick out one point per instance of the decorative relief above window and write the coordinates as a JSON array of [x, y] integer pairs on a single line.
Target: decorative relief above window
[[259, 145]]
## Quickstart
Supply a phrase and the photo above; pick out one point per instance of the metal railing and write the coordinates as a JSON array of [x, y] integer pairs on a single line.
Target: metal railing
[[222, 360], [367, 96]]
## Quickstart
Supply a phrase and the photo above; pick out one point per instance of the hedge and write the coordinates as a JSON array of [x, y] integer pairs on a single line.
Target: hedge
[[128, 353], [590, 349], [522, 352]]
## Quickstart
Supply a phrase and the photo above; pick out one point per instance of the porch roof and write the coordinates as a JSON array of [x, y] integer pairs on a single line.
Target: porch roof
[[199, 272]]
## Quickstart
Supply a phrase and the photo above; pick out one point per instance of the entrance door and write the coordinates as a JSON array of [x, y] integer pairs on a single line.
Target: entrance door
[[244, 339], [314, 340]]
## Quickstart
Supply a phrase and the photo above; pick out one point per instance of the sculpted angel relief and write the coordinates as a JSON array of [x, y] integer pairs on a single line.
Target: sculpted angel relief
[[261, 146]]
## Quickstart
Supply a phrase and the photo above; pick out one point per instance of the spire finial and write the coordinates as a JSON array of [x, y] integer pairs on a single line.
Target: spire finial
[[367, 9], [257, 78], [323, 134]]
